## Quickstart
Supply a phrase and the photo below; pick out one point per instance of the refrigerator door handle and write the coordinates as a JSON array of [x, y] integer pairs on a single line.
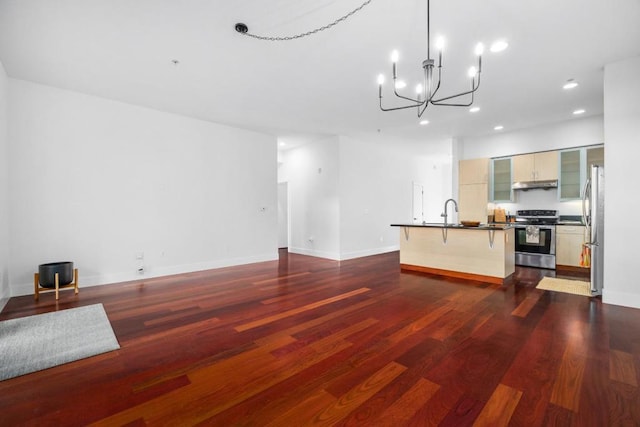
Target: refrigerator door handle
[[585, 194]]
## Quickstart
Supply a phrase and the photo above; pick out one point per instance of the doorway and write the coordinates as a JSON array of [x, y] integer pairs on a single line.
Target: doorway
[[283, 215]]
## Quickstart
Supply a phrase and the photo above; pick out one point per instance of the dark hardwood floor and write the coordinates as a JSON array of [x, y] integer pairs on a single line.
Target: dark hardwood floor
[[307, 341]]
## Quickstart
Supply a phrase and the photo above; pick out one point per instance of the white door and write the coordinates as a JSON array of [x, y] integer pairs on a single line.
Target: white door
[[283, 215]]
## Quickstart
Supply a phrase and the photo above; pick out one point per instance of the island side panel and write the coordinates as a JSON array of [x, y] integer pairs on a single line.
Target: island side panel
[[465, 251], [509, 252]]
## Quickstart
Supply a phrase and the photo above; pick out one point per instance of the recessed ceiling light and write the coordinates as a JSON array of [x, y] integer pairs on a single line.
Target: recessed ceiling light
[[400, 84], [499, 127], [282, 144], [570, 84], [424, 122], [474, 109], [498, 46], [578, 112]]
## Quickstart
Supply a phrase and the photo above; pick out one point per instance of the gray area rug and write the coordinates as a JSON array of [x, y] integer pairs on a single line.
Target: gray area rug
[[33, 343]]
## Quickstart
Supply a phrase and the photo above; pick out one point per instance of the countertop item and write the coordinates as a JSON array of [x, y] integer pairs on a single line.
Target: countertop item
[[470, 223]]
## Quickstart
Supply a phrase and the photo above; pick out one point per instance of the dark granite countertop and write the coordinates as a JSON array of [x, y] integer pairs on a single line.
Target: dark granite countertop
[[457, 226]]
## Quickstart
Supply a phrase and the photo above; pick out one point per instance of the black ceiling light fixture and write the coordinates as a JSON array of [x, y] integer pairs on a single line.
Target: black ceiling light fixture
[[427, 90]]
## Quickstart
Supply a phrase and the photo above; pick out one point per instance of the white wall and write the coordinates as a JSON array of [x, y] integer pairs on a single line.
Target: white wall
[[365, 184], [97, 182], [312, 174], [622, 132], [376, 177], [571, 133], [4, 191]]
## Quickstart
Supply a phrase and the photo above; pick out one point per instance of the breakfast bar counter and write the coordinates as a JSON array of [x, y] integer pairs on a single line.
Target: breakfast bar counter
[[484, 252]]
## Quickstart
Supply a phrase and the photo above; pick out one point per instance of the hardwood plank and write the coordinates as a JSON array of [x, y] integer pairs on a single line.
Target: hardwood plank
[[463, 412], [526, 305], [622, 368], [292, 312], [314, 404], [500, 407], [568, 383], [409, 403], [358, 395]]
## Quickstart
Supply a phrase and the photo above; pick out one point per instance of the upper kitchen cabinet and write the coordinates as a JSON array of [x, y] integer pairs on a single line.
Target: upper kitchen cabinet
[[501, 180], [473, 171], [595, 156], [472, 202], [574, 169], [473, 193], [535, 167], [570, 183]]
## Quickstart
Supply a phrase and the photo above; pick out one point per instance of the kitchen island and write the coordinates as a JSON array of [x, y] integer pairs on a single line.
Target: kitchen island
[[485, 253]]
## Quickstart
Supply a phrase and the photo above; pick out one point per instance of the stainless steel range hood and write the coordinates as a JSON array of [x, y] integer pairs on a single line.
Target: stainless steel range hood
[[532, 185]]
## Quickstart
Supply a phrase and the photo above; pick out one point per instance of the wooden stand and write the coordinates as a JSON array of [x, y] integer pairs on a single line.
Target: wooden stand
[[38, 289]]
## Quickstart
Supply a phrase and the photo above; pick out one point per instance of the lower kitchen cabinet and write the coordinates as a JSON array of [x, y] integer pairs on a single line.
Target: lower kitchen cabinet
[[569, 240]]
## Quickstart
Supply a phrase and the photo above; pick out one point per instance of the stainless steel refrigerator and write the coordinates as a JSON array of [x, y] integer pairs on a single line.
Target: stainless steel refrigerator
[[593, 218]]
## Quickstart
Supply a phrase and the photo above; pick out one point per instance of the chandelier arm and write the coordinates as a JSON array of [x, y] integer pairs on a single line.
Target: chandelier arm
[[440, 101], [417, 101], [421, 112], [474, 88], [404, 107], [445, 104]]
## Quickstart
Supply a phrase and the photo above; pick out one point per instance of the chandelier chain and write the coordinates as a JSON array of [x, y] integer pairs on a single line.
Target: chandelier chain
[[308, 33]]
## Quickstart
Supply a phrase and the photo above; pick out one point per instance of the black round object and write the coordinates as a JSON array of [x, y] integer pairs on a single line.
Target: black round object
[[47, 273], [241, 28]]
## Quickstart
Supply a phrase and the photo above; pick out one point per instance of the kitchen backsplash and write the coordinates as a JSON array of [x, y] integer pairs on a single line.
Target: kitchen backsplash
[[540, 199]]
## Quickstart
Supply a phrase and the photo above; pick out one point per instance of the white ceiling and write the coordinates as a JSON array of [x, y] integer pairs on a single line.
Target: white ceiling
[[324, 83]]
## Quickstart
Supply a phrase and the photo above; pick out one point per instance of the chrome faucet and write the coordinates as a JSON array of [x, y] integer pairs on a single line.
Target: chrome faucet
[[444, 214]]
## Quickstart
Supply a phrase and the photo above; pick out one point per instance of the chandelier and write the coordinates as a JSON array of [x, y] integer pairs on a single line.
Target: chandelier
[[427, 91]]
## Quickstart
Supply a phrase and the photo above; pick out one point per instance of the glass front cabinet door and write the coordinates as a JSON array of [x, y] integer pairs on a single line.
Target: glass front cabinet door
[[570, 174], [574, 167], [501, 180]]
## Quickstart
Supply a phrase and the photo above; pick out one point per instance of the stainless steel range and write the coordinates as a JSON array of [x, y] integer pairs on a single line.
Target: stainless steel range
[[535, 233]]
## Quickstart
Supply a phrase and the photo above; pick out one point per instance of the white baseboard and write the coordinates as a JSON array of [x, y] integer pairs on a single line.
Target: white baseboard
[[369, 252], [620, 298], [312, 252], [150, 272], [345, 256]]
